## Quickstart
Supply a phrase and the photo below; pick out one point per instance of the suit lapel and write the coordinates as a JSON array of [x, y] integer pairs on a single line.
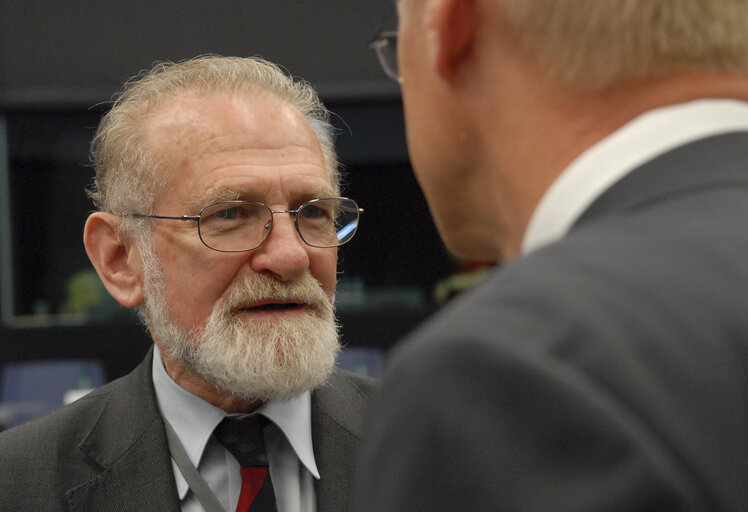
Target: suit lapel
[[128, 442], [709, 162], [338, 411]]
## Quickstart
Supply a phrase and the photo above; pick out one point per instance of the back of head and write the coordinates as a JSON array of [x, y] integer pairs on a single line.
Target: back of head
[[591, 45], [129, 176]]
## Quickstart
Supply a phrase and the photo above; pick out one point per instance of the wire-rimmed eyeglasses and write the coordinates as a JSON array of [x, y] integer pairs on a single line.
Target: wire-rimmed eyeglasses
[[385, 46], [239, 226]]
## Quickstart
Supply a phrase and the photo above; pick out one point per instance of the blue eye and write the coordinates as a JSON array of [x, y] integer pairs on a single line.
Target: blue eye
[[311, 211], [231, 213]]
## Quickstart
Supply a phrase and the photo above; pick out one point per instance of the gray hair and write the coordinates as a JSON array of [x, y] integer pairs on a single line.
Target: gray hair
[[594, 44], [129, 177]]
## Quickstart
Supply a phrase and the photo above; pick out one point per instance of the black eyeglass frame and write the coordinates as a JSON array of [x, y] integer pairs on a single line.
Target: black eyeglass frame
[[268, 227]]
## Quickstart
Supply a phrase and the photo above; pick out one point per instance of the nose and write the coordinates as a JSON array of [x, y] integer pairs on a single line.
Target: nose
[[283, 254]]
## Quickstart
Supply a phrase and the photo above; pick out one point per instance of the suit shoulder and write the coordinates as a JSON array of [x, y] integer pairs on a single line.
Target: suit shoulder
[[59, 429], [346, 387], [361, 384], [345, 399], [40, 458]]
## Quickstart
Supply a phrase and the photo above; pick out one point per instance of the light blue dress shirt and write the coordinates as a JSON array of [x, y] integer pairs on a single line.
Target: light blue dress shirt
[[288, 440]]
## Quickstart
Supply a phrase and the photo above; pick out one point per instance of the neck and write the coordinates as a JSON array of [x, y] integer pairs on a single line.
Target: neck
[[542, 128]]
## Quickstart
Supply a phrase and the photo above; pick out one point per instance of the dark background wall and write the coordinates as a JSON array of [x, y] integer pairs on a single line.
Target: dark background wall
[[79, 52], [61, 62]]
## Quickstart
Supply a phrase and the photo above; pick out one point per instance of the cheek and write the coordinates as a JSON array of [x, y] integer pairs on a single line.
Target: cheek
[[423, 129], [193, 283], [437, 185], [191, 295], [323, 265]]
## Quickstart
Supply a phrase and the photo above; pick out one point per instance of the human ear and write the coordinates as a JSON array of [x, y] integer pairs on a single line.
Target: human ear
[[116, 261], [453, 26]]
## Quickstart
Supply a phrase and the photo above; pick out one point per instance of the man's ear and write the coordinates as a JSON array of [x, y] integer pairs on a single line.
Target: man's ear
[[117, 262], [453, 24]]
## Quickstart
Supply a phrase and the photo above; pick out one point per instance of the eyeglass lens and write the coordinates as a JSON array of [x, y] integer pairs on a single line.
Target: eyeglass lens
[[386, 48], [234, 226]]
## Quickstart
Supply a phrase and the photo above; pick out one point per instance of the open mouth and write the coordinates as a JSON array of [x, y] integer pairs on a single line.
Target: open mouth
[[275, 306]]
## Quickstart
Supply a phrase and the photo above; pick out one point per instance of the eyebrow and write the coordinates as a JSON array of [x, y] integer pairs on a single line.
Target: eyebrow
[[199, 201], [320, 192]]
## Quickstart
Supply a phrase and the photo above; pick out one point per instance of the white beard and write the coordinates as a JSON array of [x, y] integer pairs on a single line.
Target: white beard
[[253, 359]]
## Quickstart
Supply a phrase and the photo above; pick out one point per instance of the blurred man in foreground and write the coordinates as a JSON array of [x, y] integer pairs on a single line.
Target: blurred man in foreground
[[599, 148], [219, 219]]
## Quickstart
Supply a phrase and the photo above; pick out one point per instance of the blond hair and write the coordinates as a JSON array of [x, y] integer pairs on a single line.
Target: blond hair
[[594, 44], [128, 175]]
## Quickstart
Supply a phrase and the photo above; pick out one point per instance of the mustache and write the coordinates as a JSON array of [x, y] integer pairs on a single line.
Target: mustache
[[261, 287]]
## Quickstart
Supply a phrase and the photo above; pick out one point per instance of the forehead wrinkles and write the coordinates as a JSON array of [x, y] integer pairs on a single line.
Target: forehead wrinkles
[[222, 153], [231, 131]]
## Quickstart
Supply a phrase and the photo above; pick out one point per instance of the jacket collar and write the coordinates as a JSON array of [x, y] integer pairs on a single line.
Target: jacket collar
[[710, 162]]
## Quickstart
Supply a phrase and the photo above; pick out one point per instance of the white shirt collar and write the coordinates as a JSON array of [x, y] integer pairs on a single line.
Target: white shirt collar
[[194, 420], [637, 142]]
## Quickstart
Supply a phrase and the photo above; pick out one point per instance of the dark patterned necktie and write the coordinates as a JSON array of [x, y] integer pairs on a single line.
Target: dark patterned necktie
[[244, 439]]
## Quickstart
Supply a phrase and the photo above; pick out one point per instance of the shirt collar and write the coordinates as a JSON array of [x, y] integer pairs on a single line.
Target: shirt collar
[[637, 142], [194, 420]]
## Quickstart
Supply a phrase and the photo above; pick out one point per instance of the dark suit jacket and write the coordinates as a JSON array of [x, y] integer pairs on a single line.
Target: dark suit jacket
[[107, 452], [608, 371]]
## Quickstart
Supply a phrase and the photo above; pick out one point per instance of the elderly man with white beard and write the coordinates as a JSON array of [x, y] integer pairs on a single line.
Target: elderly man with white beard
[[219, 217]]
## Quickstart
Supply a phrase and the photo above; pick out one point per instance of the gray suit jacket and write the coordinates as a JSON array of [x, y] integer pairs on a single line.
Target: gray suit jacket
[[608, 371], [107, 452]]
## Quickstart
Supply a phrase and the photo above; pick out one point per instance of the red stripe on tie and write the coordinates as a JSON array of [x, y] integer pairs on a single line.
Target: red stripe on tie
[[252, 479]]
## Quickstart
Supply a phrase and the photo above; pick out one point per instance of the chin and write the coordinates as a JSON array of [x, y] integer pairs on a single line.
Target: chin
[[470, 245]]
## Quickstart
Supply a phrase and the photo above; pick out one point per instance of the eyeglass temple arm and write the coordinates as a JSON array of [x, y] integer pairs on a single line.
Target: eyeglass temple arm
[[183, 217]]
